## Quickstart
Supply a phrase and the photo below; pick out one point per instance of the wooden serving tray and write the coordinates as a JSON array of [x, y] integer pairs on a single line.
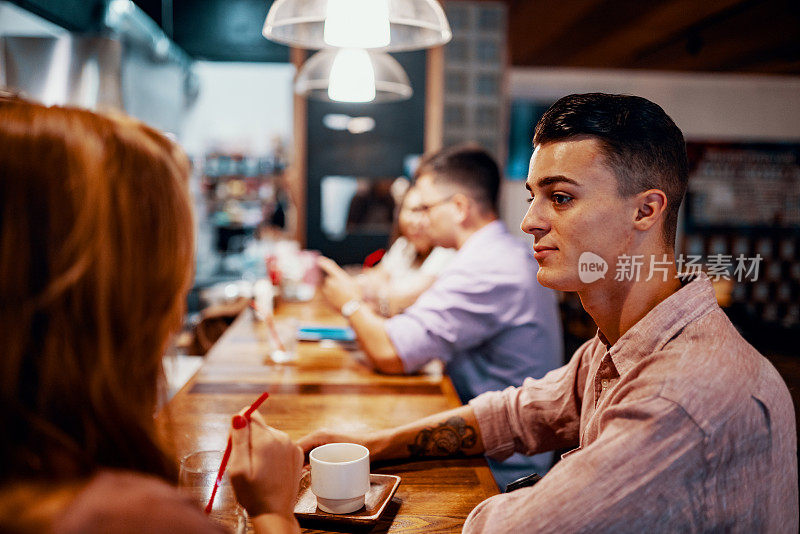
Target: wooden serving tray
[[381, 490]]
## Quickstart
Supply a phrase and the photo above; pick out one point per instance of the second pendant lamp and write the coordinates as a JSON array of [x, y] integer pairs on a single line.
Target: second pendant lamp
[[353, 75]]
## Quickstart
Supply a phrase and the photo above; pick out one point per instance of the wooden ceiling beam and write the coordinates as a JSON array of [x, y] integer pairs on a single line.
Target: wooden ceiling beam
[[751, 35], [777, 66], [620, 47], [537, 26], [782, 59], [593, 26]]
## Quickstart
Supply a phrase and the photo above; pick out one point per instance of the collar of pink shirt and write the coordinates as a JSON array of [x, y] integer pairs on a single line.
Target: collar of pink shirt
[[665, 321]]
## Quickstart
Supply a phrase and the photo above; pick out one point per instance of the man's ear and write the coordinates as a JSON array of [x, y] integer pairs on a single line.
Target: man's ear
[[651, 205], [463, 205]]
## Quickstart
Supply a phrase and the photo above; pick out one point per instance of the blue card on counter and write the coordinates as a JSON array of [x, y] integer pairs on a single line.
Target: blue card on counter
[[316, 333]]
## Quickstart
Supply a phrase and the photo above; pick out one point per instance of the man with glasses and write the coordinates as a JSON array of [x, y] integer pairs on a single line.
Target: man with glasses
[[486, 317]]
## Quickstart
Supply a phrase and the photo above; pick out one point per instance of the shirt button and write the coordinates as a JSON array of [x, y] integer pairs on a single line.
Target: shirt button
[[604, 383]]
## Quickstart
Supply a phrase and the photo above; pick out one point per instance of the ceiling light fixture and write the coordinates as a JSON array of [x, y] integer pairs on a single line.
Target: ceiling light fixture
[[352, 78], [316, 24], [353, 75], [357, 24]]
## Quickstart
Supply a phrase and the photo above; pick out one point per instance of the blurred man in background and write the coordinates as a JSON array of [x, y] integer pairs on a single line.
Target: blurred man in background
[[486, 317]]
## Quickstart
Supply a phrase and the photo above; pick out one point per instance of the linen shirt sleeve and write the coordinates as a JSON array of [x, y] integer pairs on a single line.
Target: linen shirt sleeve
[[638, 475], [541, 415], [457, 313]]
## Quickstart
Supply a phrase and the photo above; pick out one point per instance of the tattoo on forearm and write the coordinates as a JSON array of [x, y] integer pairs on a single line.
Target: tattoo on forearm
[[451, 438]]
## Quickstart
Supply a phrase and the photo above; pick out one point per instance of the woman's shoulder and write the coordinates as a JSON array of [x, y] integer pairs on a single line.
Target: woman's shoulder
[[124, 501]]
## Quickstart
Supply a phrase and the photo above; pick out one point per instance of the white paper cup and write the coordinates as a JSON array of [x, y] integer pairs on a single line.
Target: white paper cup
[[339, 476]]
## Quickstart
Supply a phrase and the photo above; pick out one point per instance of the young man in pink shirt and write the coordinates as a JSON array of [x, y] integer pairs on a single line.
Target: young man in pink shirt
[[675, 422]]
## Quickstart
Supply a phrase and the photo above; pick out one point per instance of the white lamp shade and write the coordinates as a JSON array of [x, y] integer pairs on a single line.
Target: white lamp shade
[[357, 24], [413, 24], [353, 75]]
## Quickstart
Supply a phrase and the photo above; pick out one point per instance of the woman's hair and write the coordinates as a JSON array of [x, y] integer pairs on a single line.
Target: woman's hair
[[96, 247]]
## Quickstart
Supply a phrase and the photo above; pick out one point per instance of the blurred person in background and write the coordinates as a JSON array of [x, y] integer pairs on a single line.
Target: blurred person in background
[[409, 267], [96, 251], [486, 316]]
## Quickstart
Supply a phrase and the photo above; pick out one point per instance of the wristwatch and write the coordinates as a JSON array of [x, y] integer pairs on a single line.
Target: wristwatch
[[350, 307]]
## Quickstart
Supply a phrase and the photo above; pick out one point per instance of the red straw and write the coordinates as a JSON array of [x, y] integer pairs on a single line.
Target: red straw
[[221, 472], [373, 258], [227, 454], [253, 407]]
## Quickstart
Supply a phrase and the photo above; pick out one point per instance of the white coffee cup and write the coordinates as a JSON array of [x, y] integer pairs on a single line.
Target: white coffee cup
[[339, 476]]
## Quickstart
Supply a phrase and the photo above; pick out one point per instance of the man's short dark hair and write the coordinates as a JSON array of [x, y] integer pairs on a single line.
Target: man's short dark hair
[[468, 167], [642, 145]]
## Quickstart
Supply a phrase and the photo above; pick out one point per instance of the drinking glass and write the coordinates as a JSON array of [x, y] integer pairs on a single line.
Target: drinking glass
[[286, 331], [197, 475]]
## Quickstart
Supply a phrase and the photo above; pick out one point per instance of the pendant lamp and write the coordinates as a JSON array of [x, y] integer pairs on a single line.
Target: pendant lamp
[[389, 25], [353, 75]]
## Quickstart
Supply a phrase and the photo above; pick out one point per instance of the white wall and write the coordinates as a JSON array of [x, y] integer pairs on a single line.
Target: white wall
[[241, 106], [704, 106], [707, 107], [152, 91], [17, 21]]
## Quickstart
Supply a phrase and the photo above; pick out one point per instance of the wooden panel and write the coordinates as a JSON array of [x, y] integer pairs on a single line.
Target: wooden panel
[[434, 101], [747, 35], [654, 26], [776, 64], [255, 388], [297, 173], [537, 27], [594, 26], [660, 35]]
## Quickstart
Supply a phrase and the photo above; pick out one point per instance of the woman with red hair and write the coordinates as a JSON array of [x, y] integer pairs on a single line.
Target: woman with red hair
[[96, 251]]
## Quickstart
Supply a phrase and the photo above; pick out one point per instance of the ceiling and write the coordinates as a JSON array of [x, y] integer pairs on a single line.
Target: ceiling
[[758, 36], [696, 35], [688, 35]]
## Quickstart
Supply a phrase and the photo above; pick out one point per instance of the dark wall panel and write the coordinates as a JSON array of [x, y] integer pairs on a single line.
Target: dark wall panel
[[376, 154], [74, 15], [227, 30]]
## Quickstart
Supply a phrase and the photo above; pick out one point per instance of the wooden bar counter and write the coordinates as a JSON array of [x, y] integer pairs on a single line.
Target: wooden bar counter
[[328, 386]]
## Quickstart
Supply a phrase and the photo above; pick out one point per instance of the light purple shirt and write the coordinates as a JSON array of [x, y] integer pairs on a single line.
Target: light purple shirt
[[486, 317]]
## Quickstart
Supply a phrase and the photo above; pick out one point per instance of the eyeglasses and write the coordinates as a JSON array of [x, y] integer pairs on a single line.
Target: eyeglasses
[[424, 209]]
